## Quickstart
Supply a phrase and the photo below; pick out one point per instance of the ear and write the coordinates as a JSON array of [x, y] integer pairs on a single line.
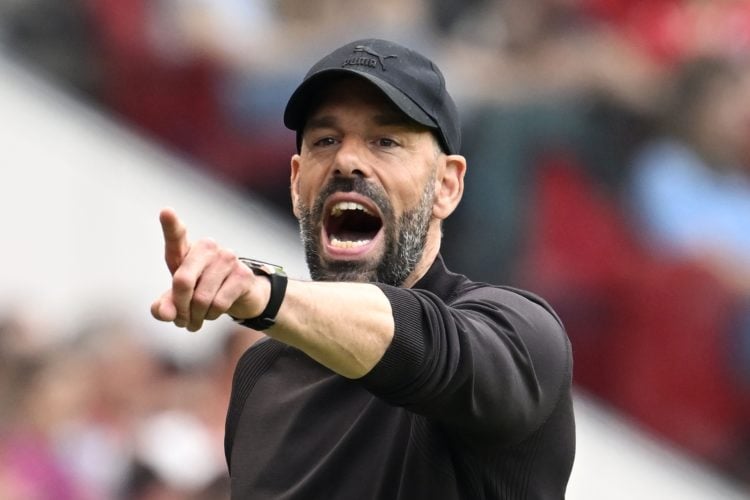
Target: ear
[[449, 186], [294, 184]]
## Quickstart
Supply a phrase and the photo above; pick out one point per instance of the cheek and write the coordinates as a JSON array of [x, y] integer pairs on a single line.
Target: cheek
[[403, 200], [408, 192], [305, 187]]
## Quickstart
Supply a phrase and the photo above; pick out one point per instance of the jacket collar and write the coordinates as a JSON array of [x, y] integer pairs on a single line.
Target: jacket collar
[[439, 280]]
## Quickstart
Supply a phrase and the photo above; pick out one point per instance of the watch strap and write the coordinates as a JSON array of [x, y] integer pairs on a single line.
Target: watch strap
[[278, 279]]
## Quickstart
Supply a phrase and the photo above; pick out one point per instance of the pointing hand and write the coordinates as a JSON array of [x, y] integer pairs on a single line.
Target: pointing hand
[[207, 280]]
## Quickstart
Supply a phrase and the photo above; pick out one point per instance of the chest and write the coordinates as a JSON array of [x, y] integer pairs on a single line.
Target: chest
[[305, 432]]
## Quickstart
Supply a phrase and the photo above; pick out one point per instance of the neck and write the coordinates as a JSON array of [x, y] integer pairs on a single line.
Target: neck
[[430, 253]]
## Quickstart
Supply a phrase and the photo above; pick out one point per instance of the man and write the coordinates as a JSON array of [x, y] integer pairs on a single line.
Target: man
[[387, 377]]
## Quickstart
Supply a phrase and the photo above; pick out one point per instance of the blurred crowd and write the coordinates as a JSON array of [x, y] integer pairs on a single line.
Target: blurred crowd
[[609, 170], [102, 415]]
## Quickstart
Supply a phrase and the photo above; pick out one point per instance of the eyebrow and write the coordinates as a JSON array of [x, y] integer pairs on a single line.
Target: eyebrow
[[325, 121]]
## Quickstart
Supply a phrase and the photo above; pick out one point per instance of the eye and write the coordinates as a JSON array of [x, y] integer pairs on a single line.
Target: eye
[[324, 142], [386, 142]]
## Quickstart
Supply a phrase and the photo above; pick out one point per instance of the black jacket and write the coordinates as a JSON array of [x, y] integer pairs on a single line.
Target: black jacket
[[471, 401]]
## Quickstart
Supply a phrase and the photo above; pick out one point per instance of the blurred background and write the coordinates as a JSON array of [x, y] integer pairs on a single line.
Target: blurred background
[[608, 144]]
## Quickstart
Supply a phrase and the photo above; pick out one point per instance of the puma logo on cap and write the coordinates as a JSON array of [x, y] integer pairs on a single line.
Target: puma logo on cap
[[363, 60]]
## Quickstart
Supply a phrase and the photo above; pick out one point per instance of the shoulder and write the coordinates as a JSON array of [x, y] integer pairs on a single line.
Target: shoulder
[[523, 320], [474, 295]]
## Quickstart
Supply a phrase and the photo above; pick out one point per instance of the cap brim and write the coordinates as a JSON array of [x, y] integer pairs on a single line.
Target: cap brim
[[299, 103]]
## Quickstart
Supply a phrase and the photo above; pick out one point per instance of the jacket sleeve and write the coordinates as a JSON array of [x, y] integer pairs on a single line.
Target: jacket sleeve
[[491, 365]]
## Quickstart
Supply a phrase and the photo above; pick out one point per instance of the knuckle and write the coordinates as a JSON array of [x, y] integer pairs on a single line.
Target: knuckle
[[183, 281], [227, 255], [243, 271], [220, 305], [201, 300]]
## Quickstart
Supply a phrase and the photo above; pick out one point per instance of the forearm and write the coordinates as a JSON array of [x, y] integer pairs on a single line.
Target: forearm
[[346, 327]]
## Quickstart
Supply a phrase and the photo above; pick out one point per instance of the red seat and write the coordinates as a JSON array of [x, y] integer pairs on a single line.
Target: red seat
[[648, 334], [176, 99]]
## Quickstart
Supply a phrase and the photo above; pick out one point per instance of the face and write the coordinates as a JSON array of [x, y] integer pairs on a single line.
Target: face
[[364, 188]]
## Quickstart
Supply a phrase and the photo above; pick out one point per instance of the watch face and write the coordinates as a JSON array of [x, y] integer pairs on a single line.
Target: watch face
[[263, 267], [267, 268]]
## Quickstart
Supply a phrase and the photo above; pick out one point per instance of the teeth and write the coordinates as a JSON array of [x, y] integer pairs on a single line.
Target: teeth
[[339, 207], [348, 244]]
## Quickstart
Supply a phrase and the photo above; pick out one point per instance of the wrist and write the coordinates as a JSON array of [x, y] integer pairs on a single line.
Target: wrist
[[273, 287]]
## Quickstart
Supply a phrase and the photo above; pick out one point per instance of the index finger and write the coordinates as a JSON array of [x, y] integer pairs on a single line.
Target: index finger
[[176, 244]]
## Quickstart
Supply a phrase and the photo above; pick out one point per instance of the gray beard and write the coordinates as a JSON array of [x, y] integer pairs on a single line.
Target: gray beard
[[405, 237]]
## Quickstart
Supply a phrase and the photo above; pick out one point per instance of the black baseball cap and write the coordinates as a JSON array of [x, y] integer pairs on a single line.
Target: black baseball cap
[[411, 81]]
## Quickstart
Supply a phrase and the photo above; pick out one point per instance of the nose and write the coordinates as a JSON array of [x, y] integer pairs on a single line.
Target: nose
[[351, 158]]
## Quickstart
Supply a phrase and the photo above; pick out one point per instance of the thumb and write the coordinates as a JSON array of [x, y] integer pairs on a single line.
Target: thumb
[[176, 244], [163, 308]]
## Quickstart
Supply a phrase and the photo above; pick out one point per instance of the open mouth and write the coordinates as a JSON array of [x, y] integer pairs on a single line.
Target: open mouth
[[351, 226]]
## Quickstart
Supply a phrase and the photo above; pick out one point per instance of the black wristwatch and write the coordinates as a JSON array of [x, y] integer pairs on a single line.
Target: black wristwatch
[[278, 278]]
